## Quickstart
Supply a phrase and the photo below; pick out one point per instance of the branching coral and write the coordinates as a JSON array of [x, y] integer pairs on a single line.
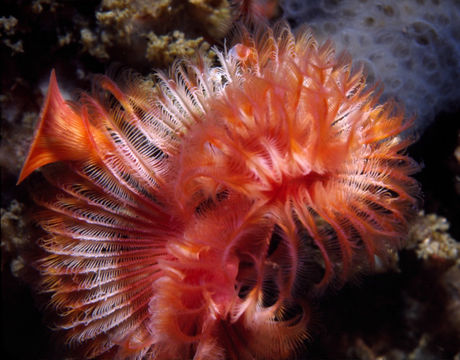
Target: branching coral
[[195, 220]]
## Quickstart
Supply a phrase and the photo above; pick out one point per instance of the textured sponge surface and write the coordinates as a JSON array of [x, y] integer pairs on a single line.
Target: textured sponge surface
[[412, 46]]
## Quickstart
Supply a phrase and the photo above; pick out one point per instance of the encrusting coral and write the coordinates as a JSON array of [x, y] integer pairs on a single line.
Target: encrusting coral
[[429, 238], [158, 31], [196, 220]]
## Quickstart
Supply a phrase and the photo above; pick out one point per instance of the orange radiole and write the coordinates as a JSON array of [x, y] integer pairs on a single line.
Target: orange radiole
[[62, 134], [197, 220]]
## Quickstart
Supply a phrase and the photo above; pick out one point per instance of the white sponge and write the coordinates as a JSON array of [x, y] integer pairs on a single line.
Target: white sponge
[[412, 46]]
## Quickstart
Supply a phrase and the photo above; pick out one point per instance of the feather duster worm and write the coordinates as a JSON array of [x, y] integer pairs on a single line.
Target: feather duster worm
[[195, 220]]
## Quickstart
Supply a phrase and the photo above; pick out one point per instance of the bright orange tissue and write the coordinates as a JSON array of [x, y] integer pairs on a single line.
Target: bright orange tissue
[[61, 133]]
